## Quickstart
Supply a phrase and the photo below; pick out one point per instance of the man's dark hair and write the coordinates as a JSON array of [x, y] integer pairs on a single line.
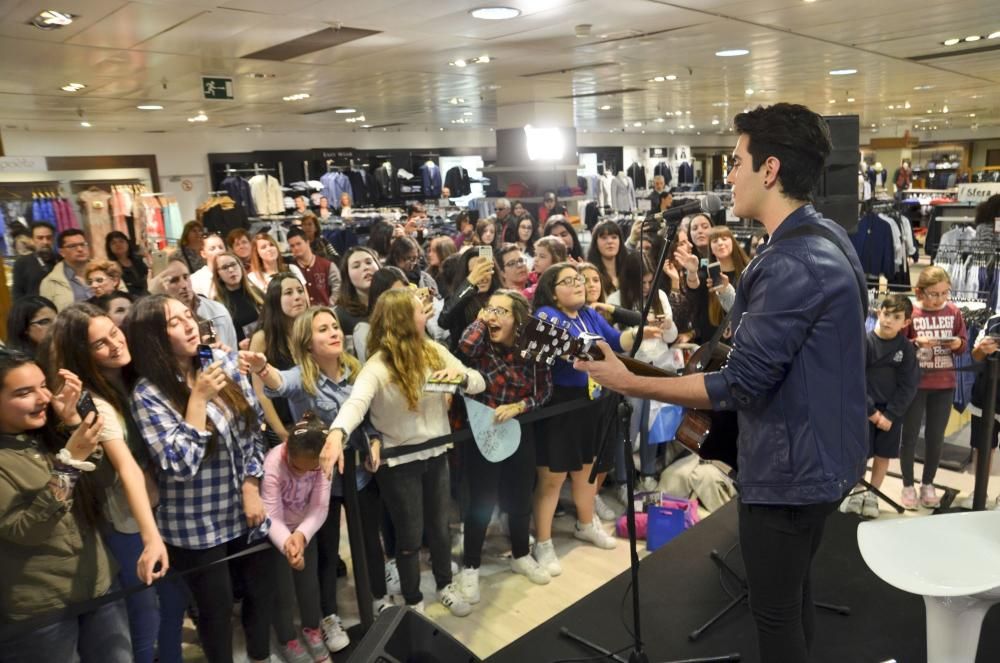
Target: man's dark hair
[[297, 232], [988, 210], [793, 134], [69, 232], [41, 224], [898, 304]]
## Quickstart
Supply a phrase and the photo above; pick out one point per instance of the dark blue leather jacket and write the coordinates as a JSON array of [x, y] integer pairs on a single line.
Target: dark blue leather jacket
[[796, 374]]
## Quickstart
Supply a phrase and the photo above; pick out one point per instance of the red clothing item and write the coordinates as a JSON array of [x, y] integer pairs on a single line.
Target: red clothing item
[[945, 323], [509, 377], [317, 281]]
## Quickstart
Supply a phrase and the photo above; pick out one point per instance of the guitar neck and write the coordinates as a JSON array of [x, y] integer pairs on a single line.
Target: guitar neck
[[634, 366]]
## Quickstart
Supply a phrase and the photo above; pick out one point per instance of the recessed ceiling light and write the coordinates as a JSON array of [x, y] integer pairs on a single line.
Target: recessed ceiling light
[[973, 38], [850, 100], [637, 124], [732, 52], [257, 74], [715, 121], [297, 97], [483, 59], [458, 63], [833, 101], [51, 19], [690, 126], [972, 114], [951, 42], [843, 72], [993, 35], [468, 113], [687, 112], [200, 117], [906, 105], [923, 87], [944, 109], [749, 91], [366, 126], [73, 87], [345, 110], [456, 100], [660, 119], [150, 107], [929, 110], [658, 79], [671, 77], [605, 107], [85, 124], [495, 14], [891, 107]]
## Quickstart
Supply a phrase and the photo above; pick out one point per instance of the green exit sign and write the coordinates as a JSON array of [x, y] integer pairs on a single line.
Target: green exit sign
[[217, 87]]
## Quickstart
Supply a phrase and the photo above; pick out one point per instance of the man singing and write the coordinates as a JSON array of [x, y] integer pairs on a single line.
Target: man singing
[[796, 374]]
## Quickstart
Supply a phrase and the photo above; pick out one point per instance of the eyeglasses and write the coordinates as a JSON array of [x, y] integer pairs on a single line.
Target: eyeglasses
[[97, 280], [572, 280], [41, 322], [937, 295], [78, 245], [229, 267], [520, 262], [498, 311]]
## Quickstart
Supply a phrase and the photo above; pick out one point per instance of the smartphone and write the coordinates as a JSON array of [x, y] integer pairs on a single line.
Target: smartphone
[[206, 332], [486, 252], [85, 405], [205, 358], [715, 272]]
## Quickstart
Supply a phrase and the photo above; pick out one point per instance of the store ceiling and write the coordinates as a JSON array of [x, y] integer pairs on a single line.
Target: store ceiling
[[155, 51]]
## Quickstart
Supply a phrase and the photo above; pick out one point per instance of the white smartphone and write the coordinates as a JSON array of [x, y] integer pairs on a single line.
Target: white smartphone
[[486, 252]]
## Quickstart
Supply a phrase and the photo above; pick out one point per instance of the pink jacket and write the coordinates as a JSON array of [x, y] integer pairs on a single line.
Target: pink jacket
[[294, 502]]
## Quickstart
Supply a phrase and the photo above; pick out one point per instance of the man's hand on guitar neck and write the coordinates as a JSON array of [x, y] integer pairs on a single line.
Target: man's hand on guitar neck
[[610, 372]]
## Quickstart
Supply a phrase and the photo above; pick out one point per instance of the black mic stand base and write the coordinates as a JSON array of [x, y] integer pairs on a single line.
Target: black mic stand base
[[636, 655]]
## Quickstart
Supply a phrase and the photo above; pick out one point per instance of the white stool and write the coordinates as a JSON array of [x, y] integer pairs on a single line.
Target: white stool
[[953, 561]]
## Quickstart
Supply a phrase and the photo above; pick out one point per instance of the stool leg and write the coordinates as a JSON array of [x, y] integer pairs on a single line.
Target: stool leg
[[953, 626]]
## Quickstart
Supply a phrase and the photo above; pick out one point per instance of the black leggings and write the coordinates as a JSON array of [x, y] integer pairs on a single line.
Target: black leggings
[[779, 543], [937, 404], [515, 477], [213, 594]]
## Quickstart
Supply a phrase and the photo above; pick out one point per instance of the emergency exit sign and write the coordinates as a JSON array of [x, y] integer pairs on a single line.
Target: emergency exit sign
[[217, 87]]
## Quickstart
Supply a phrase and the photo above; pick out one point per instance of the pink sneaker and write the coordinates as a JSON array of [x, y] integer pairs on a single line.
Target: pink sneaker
[[315, 645], [909, 499], [928, 497]]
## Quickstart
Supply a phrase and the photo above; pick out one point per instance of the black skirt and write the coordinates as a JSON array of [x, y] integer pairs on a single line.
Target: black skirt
[[567, 442]]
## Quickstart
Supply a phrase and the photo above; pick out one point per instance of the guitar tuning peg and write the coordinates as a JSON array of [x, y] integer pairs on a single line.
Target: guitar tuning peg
[[543, 316], [550, 361]]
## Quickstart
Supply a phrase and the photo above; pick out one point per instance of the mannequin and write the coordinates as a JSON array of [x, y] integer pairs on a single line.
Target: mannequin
[[864, 187], [879, 184], [622, 193]]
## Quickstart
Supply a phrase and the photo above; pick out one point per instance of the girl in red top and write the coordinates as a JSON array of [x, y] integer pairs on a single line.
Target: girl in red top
[[939, 334]]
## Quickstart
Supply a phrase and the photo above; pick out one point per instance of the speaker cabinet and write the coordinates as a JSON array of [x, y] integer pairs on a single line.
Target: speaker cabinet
[[836, 194], [401, 635]]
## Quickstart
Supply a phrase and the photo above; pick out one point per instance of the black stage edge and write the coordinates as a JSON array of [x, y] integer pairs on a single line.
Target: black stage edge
[[680, 590]]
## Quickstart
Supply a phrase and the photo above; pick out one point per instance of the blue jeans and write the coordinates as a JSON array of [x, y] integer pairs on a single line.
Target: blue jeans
[[150, 620], [99, 636]]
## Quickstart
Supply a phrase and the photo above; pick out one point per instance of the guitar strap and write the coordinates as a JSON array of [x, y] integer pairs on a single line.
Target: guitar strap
[[803, 230]]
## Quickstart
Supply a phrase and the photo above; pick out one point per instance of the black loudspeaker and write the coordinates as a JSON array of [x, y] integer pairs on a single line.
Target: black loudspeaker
[[401, 635], [836, 194]]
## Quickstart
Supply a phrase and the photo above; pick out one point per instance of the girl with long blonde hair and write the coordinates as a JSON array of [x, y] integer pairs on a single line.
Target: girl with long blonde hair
[[413, 484]]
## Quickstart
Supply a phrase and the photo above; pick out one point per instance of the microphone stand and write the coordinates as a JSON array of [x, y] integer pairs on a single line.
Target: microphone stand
[[624, 411]]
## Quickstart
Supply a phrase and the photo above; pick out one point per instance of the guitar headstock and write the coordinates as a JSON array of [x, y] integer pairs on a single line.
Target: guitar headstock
[[544, 339]]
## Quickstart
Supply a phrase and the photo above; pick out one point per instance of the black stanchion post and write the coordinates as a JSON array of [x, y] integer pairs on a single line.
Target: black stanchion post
[[984, 443], [355, 535]]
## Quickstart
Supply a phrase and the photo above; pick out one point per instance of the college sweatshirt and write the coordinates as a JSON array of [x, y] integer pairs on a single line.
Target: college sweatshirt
[[891, 375], [943, 324]]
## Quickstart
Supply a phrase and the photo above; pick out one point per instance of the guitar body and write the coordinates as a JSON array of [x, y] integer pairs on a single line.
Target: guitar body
[[710, 434]]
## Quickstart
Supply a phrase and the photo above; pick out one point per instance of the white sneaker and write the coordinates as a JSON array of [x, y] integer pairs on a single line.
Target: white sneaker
[[596, 535], [602, 509], [334, 635], [418, 608], [852, 504], [468, 585], [622, 493], [454, 568], [392, 578], [531, 569], [380, 604], [966, 502], [451, 598], [545, 555], [648, 484], [869, 507]]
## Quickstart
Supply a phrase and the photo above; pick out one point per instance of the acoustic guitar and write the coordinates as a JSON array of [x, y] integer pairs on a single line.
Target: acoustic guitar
[[712, 435]]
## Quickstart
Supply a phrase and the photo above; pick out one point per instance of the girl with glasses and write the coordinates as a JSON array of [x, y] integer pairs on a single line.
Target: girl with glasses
[[240, 297], [939, 333]]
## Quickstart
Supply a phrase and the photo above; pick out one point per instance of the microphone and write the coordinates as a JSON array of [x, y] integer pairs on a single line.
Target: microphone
[[710, 204]]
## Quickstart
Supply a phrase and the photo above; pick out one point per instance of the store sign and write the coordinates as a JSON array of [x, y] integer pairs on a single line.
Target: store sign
[[217, 87], [23, 165], [977, 192]]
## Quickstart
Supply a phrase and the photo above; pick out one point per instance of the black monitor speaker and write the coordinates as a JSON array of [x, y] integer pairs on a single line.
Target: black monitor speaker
[[837, 192], [401, 635]]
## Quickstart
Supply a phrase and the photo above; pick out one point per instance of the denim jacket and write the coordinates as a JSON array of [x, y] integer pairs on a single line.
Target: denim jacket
[[796, 374]]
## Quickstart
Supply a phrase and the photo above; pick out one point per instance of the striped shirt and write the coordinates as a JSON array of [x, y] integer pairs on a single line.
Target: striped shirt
[[201, 497]]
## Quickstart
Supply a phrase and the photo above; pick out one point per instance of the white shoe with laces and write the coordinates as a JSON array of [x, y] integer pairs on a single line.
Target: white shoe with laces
[[451, 598], [530, 569], [380, 604], [595, 534], [333, 633], [468, 585], [545, 555], [602, 509]]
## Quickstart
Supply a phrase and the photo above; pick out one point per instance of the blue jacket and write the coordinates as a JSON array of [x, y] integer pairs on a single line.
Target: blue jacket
[[796, 374], [873, 243]]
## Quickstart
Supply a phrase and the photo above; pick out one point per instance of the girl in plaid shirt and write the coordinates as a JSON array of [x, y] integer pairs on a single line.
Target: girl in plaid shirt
[[202, 427], [514, 385]]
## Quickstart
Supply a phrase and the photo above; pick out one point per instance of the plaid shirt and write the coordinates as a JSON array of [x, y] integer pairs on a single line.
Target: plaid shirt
[[201, 499], [509, 377]]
